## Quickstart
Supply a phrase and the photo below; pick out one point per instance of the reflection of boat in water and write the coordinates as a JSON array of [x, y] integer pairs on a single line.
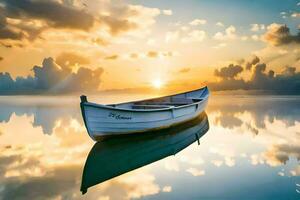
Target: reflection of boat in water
[[116, 156], [140, 116]]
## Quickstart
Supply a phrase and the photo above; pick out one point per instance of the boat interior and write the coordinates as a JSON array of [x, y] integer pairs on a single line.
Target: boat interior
[[165, 102], [157, 103]]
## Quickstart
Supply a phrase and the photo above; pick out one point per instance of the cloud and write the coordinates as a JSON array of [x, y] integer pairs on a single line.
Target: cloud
[[197, 22], [117, 26], [100, 41], [69, 59], [6, 45], [52, 78], [252, 62], [229, 72], [158, 54], [7, 32], [229, 161], [54, 13], [26, 20], [151, 42], [279, 34], [217, 163], [195, 171], [44, 116], [285, 82], [168, 54], [295, 172], [55, 172], [228, 120], [112, 57], [263, 113], [289, 71], [296, 15], [257, 27], [255, 37], [58, 180], [133, 185], [167, 12], [194, 36], [152, 54], [171, 36], [167, 188], [220, 45], [230, 34], [244, 38], [128, 18], [184, 28], [22, 22], [134, 55], [172, 165], [220, 24], [184, 70], [280, 154]]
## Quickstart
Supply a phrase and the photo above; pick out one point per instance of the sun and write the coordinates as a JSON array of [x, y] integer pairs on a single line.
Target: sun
[[157, 83]]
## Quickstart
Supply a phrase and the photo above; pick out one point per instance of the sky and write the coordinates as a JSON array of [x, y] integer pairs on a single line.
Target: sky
[[63, 46]]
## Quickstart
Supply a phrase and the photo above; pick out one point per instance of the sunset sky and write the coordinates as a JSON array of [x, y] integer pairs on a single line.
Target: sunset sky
[[149, 43]]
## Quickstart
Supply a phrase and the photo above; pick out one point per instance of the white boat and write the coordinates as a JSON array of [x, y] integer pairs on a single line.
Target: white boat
[[144, 115]]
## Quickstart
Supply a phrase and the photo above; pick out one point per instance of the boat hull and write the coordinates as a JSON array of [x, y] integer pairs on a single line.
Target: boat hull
[[102, 121]]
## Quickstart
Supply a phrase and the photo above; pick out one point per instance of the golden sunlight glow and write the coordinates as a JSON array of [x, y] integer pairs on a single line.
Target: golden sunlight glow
[[157, 83]]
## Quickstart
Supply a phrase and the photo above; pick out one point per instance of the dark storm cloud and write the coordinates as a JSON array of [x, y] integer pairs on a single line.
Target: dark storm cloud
[[54, 13], [287, 82], [7, 32], [279, 34], [52, 78], [26, 20], [228, 72], [252, 62]]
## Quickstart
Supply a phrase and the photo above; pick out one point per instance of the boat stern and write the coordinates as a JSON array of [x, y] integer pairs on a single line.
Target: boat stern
[[83, 101]]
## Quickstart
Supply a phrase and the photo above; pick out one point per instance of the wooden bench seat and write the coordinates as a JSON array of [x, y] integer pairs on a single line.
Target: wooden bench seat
[[150, 106]]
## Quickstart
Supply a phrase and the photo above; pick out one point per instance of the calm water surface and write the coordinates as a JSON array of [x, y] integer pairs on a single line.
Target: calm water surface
[[251, 151]]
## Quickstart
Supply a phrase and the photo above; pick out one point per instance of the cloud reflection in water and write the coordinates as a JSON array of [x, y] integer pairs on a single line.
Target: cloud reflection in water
[[252, 139]]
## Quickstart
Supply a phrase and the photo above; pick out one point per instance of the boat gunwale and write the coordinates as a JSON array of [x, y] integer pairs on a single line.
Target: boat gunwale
[[148, 110], [142, 110]]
